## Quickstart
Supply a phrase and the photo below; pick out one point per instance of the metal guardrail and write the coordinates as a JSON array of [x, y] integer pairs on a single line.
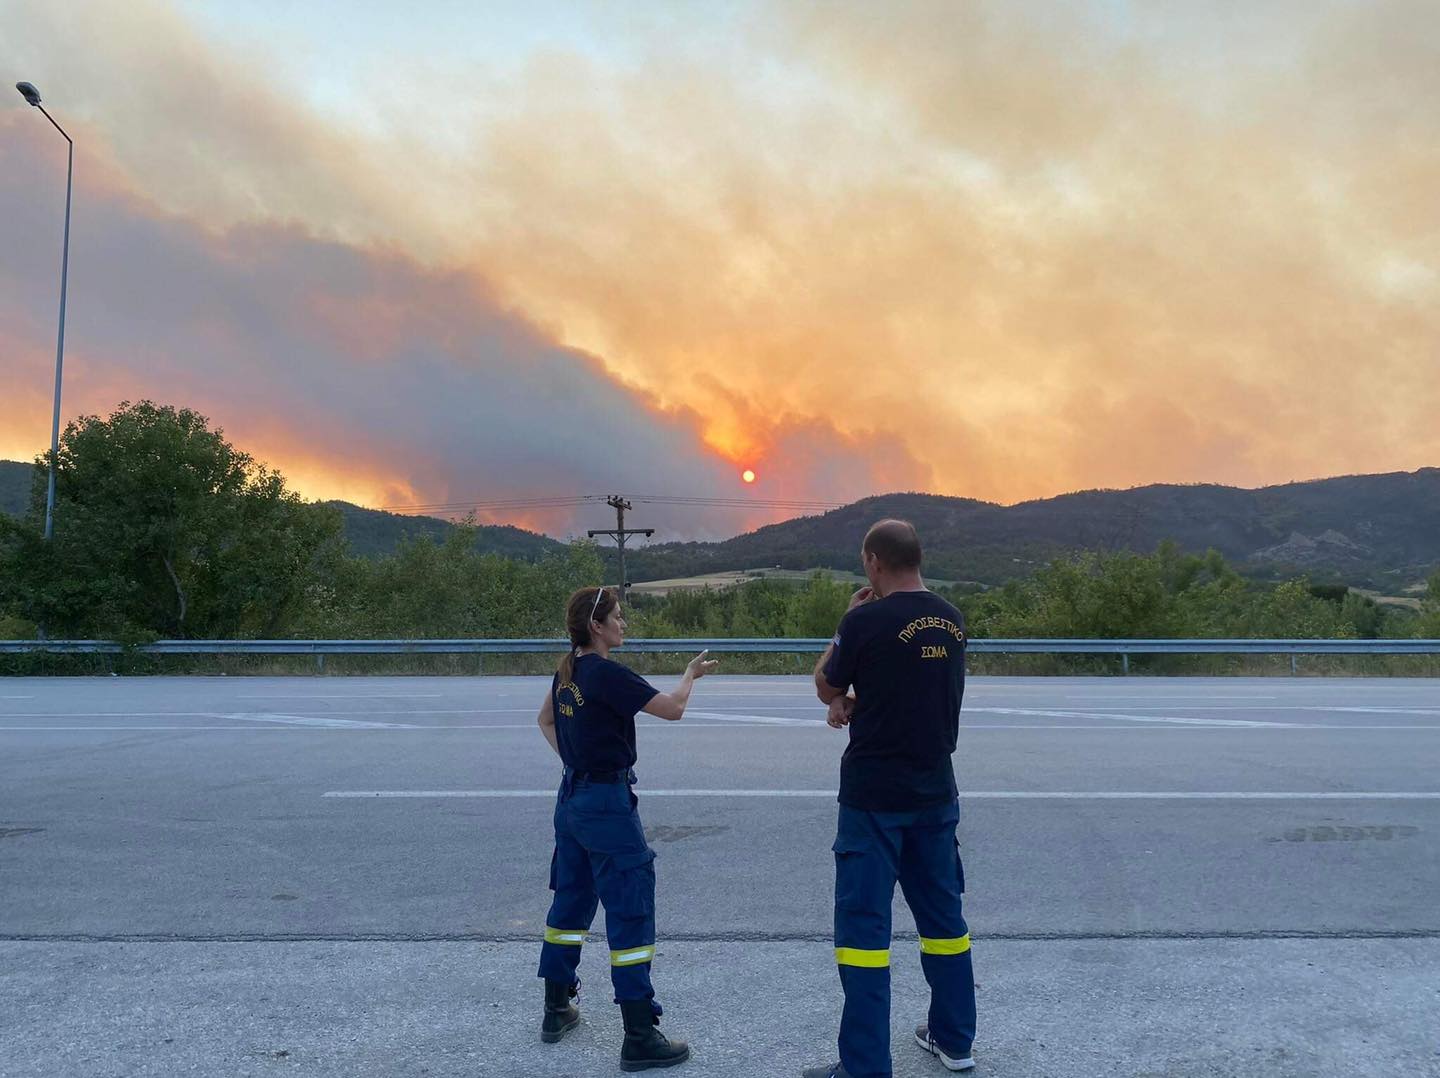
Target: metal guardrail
[[1122, 648], [732, 644], [979, 646]]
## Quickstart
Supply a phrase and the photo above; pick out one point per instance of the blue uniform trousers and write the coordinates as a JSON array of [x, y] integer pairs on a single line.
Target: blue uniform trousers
[[872, 851], [601, 857]]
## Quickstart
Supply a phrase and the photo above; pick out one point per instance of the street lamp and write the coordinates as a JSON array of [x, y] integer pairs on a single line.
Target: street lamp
[[32, 95]]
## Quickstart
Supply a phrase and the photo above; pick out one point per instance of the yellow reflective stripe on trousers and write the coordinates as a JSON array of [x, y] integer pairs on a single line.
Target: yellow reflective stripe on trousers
[[633, 956], [569, 937], [958, 945], [854, 956]]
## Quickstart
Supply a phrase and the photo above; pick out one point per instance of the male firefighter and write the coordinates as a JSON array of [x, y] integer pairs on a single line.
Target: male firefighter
[[901, 648]]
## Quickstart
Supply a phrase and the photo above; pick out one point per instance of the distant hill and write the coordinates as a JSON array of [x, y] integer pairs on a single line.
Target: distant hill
[[1377, 530], [369, 532], [15, 479], [373, 532]]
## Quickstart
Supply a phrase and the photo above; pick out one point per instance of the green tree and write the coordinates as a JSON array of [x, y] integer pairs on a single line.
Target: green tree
[[816, 609], [1290, 611], [162, 527], [1168, 593], [1088, 595], [1365, 616], [1427, 625], [1215, 600], [430, 590]]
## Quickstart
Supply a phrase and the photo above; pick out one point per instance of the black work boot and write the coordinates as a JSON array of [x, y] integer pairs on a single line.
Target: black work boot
[[835, 1070], [645, 1047], [561, 1016]]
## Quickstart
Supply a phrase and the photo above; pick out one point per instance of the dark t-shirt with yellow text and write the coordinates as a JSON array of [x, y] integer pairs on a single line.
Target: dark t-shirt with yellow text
[[595, 714], [905, 656]]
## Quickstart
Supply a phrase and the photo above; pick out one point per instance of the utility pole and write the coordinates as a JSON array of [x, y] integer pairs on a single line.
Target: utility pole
[[619, 504]]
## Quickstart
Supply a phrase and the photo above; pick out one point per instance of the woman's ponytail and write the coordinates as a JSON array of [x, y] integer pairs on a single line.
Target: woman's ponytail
[[585, 606]]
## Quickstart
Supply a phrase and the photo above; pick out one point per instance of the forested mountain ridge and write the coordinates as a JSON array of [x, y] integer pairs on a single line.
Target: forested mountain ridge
[[14, 486], [368, 532], [374, 532], [1382, 530], [1378, 530]]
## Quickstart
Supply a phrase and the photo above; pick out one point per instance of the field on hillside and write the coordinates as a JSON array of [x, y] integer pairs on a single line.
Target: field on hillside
[[742, 576]]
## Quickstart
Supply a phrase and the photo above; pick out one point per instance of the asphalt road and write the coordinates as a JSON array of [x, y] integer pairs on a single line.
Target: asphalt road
[[347, 876]]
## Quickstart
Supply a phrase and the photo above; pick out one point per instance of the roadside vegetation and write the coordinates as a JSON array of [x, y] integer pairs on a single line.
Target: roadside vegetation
[[165, 530]]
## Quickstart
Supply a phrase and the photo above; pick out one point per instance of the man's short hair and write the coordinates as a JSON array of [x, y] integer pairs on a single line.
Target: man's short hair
[[894, 543]]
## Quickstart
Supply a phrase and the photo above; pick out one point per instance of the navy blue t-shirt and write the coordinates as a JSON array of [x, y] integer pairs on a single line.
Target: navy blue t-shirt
[[905, 655], [595, 714]]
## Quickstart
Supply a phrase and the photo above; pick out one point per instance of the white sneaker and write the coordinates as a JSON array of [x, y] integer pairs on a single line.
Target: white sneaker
[[962, 1062]]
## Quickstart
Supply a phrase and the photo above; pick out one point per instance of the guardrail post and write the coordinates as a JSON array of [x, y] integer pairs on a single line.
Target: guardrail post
[[320, 662], [1293, 665], [1125, 664]]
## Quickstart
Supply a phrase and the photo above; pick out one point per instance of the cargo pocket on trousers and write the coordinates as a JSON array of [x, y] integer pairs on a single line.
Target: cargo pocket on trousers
[[851, 879], [959, 867], [635, 881], [554, 861]]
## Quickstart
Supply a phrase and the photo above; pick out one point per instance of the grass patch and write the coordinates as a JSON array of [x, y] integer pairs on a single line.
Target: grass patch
[[138, 664]]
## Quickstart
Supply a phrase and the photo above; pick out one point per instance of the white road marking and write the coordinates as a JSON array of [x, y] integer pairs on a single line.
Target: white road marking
[[965, 795], [319, 721], [343, 696], [1380, 710], [293, 711], [768, 695], [1076, 711], [1151, 696], [208, 729], [813, 706], [767, 720], [757, 722], [1068, 708], [396, 726], [1187, 727], [1368, 709], [1047, 713]]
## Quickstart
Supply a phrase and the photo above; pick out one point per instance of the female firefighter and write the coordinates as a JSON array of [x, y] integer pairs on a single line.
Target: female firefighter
[[600, 850]]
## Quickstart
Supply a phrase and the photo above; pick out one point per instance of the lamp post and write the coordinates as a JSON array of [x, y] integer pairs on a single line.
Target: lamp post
[[32, 95]]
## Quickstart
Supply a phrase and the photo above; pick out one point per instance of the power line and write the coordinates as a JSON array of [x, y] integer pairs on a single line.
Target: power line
[[560, 501], [555, 501], [760, 503]]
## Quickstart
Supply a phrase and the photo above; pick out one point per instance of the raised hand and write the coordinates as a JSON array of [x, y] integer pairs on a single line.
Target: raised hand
[[700, 666], [864, 595]]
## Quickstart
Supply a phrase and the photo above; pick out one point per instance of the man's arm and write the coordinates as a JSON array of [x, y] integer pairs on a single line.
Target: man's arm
[[841, 708], [546, 719], [823, 689]]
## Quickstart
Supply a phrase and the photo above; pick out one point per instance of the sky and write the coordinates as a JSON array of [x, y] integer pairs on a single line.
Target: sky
[[449, 252]]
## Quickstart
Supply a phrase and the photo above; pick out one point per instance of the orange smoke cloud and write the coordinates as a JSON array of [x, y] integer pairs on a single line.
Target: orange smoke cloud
[[993, 249], [1032, 258]]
